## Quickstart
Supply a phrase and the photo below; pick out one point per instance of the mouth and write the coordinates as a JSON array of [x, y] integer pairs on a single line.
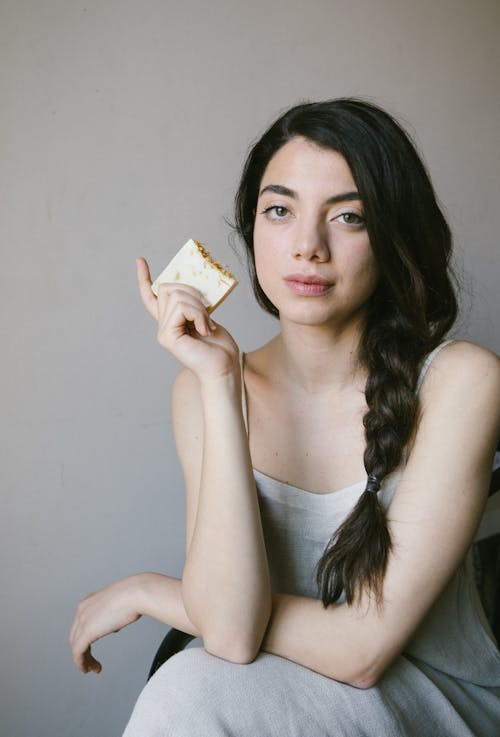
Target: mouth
[[309, 285]]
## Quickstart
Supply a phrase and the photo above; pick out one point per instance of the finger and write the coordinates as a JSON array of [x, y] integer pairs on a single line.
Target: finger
[[144, 281], [82, 655], [72, 631], [175, 306], [178, 304], [77, 620], [169, 289], [79, 659], [180, 318], [86, 662], [91, 663]]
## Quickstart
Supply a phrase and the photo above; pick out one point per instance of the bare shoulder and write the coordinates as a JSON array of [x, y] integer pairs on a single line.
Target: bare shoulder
[[443, 489], [465, 367], [460, 399], [464, 351]]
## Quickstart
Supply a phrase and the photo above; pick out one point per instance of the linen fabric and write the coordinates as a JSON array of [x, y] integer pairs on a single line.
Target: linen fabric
[[446, 683]]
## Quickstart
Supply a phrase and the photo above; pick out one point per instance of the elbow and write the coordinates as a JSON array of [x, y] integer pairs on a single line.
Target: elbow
[[369, 674], [238, 644], [238, 652], [364, 681], [229, 635]]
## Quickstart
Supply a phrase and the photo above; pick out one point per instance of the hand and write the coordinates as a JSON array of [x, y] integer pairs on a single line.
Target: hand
[[100, 614], [186, 329]]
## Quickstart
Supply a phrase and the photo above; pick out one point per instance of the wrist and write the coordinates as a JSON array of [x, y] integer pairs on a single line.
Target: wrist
[[147, 590], [160, 597], [226, 386]]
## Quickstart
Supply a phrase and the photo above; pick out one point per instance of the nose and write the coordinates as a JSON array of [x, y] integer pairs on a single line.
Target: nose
[[311, 243]]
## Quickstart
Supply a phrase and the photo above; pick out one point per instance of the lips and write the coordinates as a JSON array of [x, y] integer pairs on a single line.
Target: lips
[[309, 285]]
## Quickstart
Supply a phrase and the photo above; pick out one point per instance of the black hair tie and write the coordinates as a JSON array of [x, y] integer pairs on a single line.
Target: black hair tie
[[373, 484]]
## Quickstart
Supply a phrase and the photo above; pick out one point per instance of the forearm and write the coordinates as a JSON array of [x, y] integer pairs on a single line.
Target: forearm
[[336, 642], [226, 581], [160, 597]]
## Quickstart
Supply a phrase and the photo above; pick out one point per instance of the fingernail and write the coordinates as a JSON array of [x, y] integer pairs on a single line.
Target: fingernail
[[212, 325]]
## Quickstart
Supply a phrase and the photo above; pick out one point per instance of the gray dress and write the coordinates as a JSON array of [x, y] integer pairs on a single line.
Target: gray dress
[[446, 683]]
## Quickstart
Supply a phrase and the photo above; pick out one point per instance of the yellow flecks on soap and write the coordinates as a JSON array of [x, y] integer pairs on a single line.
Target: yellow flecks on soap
[[194, 266], [210, 258]]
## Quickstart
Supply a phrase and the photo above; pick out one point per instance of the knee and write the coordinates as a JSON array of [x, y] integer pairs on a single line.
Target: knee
[[173, 701]]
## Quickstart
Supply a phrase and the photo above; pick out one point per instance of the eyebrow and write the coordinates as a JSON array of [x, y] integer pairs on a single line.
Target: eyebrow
[[280, 189]]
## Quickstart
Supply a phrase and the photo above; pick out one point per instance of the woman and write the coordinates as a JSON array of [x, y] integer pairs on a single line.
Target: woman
[[330, 510]]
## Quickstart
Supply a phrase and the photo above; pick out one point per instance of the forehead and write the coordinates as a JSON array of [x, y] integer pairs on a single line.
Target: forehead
[[302, 164]]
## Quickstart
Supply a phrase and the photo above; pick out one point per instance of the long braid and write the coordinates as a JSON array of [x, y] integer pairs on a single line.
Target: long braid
[[357, 554], [412, 309]]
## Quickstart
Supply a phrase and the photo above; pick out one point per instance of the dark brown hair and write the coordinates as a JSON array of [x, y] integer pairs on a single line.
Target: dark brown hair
[[412, 309]]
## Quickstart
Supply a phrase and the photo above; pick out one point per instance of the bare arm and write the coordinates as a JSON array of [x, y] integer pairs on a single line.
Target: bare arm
[[121, 603], [432, 519], [225, 597], [225, 581], [225, 586]]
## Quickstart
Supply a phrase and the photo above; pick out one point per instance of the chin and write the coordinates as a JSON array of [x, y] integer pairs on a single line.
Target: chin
[[318, 315], [308, 316]]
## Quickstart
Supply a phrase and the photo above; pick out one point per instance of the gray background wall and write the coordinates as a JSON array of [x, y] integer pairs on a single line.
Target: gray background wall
[[123, 129]]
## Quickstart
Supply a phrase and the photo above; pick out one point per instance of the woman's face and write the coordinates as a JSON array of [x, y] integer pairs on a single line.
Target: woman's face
[[312, 253]]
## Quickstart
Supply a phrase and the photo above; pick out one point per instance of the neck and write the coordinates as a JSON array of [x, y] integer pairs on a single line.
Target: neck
[[316, 359]]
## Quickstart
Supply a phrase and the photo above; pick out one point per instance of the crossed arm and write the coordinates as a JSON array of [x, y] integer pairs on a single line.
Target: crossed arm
[[433, 517], [224, 596]]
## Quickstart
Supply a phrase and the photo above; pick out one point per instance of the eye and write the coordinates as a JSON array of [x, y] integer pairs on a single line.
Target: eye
[[351, 218], [276, 212]]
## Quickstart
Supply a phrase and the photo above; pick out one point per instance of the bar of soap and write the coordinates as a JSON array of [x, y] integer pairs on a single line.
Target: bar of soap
[[193, 265]]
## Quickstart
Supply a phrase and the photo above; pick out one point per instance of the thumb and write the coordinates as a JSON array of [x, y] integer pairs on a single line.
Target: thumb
[[144, 280]]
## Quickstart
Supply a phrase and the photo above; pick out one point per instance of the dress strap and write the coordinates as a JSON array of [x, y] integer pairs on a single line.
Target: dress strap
[[243, 391], [429, 359]]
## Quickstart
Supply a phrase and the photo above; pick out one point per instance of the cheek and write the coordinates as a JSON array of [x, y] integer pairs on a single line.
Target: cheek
[[369, 268], [363, 271], [263, 257], [263, 262]]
